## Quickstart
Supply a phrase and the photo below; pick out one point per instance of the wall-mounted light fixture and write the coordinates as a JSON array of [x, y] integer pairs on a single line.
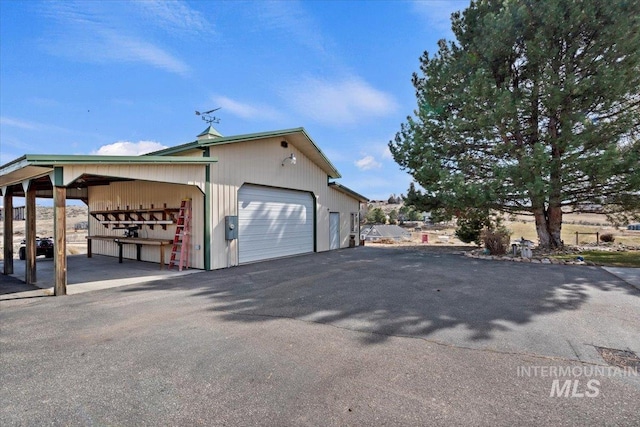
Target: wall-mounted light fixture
[[291, 158]]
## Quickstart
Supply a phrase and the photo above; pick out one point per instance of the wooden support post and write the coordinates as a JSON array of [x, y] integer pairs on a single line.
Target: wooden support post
[[30, 237], [59, 236], [577, 238], [8, 232]]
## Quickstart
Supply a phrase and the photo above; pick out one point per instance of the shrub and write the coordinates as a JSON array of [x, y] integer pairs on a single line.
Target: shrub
[[470, 225], [607, 238], [468, 231], [376, 216], [497, 240], [385, 240]]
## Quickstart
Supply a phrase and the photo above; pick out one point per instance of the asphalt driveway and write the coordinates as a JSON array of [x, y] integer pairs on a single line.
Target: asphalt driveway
[[364, 336]]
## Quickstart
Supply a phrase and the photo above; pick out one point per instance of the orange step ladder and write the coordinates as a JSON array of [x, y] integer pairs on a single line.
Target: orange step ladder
[[182, 238]]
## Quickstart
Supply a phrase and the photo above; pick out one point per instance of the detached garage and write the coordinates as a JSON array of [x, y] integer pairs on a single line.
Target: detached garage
[[252, 197], [279, 189]]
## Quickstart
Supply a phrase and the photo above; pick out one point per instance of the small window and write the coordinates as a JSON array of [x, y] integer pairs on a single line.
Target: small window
[[355, 222]]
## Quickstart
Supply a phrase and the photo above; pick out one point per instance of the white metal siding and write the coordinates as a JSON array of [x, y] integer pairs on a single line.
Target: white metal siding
[[273, 223], [260, 162]]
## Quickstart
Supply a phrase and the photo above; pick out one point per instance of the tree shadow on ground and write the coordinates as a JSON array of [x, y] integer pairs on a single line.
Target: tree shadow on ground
[[395, 292]]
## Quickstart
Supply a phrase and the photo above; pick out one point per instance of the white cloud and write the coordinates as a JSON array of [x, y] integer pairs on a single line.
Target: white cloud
[[248, 111], [129, 49], [386, 153], [341, 102], [380, 149], [290, 19], [437, 13], [88, 33], [367, 163], [175, 16], [21, 124], [27, 129], [379, 187], [126, 148]]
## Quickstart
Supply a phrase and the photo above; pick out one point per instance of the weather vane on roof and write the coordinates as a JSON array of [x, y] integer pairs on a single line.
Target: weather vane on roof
[[208, 117]]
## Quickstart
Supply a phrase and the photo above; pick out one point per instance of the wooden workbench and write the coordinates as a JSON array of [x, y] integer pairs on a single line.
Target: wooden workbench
[[138, 241]]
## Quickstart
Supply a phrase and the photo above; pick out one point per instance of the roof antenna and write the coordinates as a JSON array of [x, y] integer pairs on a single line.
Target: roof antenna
[[208, 117]]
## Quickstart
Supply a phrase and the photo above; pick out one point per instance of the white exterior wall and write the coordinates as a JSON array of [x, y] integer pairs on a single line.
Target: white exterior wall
[[260, 163], [136, 194], [346, 205]]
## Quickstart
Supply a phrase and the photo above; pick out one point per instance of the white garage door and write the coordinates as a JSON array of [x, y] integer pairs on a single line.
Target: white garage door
[[273, 223]]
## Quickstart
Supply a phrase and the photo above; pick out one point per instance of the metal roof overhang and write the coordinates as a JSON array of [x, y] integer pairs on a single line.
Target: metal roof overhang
[[38, 168]]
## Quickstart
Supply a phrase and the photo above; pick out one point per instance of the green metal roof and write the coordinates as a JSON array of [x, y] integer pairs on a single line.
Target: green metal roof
[[53, 160]]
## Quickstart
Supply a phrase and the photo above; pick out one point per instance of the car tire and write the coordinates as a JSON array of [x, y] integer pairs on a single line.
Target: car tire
[[49, 254], [22, 254]]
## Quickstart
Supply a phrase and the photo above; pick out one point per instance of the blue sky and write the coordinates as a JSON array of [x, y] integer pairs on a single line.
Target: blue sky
[[110, 77]]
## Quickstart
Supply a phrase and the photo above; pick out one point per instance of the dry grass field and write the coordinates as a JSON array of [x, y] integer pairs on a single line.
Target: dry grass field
[[581, 223], [524, 226], [76, 240]]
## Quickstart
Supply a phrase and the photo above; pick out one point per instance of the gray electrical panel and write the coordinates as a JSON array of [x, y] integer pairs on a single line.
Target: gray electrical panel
[[231, 227]]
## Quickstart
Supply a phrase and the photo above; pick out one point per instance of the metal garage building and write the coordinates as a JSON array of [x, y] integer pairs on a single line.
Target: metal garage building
[[253, 197]]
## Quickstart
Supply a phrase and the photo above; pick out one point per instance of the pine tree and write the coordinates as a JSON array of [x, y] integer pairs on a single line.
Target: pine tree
[[534, 107], [393, 217]]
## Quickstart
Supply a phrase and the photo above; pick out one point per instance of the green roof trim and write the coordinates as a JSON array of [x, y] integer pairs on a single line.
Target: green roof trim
[[57, 160], [210, 131], [348, 191]]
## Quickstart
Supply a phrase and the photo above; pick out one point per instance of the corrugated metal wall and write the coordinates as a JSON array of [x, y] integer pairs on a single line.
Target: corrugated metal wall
[[144, 195], [260, 162]]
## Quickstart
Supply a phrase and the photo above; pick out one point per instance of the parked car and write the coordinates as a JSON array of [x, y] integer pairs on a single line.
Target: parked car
[[44, 246]]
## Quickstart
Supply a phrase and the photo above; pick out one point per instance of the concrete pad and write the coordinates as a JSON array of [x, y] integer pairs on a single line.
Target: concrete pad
[[83, 275], [629, 275]]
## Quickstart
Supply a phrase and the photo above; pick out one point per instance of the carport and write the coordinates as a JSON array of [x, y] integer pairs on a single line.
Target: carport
[[63, 177]]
